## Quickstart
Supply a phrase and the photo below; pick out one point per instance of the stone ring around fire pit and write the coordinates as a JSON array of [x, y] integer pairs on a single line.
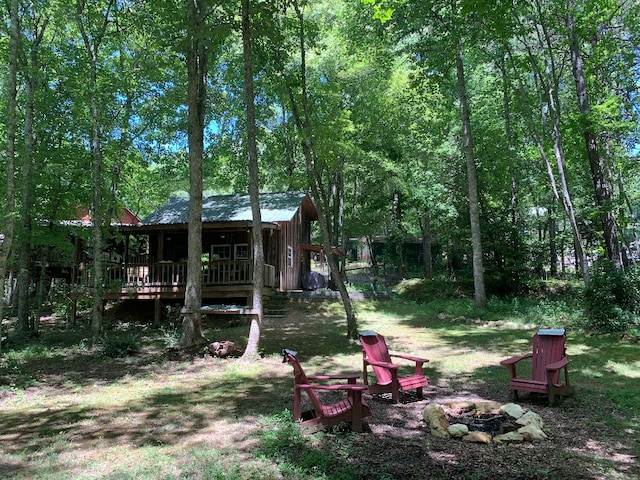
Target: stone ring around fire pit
[[484, 422]]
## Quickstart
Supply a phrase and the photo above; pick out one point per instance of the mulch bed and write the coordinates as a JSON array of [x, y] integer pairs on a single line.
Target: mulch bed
[[400, 446]]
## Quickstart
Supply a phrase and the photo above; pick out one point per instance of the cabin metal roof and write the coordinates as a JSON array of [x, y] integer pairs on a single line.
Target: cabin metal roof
[[274, 207]]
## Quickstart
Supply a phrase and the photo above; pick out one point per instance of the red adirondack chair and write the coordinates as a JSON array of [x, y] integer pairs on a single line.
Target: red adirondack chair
[[375, 354], [548, 358], [352, 409]]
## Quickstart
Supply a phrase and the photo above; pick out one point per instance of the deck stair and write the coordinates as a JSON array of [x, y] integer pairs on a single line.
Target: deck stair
[[277, 306]]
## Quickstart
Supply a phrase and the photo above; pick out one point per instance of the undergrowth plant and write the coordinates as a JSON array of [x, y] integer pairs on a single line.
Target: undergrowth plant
[[612, 299], [299, 455], [170, 335]]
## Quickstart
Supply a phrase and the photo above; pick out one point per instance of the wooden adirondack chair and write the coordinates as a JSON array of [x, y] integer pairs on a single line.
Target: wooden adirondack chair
[[548, 358], [352, 409], [375, 354]]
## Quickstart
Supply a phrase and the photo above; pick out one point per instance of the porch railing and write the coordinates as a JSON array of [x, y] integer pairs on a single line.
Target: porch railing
[[161, 274]]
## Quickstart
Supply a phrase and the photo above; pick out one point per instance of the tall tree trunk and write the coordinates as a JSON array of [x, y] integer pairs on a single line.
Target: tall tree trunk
[[338, 231], [632, 245], [563, 196], [32, 81], [398, 232], [254, 187], [472, 181], [92, 42], [303, 122], [516, 227], [600, 171], [553, 249], [43, 284], [425, 227], [288, 140], [25, 275], [566, 200], [372, 257], [197, 59], [7, 225]]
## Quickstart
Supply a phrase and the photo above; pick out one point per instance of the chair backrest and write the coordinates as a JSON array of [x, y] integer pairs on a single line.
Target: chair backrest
[[375, 348], [548, 347], [300, 378]]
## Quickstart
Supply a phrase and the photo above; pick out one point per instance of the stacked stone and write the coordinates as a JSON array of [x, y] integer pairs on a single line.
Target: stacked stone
[[522, 425]]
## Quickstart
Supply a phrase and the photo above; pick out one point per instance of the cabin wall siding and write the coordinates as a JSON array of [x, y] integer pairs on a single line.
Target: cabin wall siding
[[292, 234], [289, 274]]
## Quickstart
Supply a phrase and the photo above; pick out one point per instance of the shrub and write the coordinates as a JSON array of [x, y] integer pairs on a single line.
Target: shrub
[[423, 291], [612, 299], [171, 335]]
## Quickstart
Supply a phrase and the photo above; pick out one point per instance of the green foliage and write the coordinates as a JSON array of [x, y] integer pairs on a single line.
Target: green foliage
[[171, 335], [120, 345], [423, 291], [299, 455], [612, 299]]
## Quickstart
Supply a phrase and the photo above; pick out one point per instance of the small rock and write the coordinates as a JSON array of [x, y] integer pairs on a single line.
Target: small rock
[[487, 407], [457, 430], [456, 408], [531, 433], [507, 427], [477, 437], [512, 410], [430, 408], [530, 418], [434, 415], [511, 437]]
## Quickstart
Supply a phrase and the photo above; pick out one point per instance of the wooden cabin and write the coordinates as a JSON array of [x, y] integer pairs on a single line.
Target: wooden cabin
[[149, 260]]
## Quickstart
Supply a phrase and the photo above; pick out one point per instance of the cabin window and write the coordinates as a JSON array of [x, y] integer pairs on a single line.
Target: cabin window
[[241, 251], [289, 256], [221, 252]]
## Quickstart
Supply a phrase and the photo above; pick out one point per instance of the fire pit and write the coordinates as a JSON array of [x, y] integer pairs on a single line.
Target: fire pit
[[484, 422]]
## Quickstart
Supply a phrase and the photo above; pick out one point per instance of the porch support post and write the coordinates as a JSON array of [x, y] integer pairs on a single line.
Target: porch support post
[[74, 309], [157, 310], [160, 246]]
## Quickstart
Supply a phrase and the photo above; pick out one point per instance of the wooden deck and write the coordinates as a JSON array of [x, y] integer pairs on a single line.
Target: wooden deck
[[166, 281]]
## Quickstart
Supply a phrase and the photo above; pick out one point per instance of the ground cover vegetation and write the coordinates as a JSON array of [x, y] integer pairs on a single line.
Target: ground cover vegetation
[[69, 410]]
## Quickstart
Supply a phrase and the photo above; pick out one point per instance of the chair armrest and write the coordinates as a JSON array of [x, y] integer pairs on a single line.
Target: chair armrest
[[557, 365], [375, 363], [516, 359], [349, 376], [411, 358], [347, 387]]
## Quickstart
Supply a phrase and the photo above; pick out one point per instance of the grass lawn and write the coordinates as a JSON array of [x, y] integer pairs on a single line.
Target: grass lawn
[[69, 412]]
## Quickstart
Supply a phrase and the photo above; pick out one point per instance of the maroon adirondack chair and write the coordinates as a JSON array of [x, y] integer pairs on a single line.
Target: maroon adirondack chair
[[375, 354], [548, 359], [351, 409]]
